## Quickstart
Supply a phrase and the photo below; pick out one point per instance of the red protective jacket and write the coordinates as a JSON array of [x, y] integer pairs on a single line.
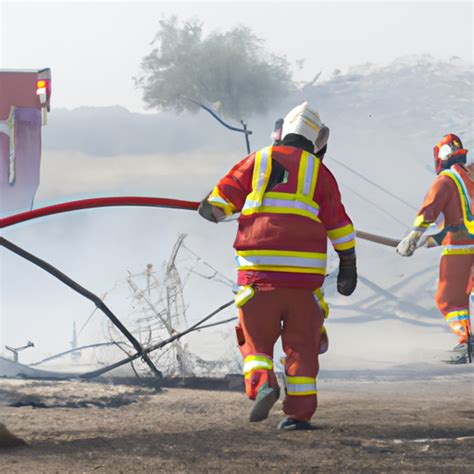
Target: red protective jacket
[[284, 223]]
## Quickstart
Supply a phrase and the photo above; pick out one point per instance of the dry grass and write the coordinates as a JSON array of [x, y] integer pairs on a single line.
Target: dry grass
[[407, 426]]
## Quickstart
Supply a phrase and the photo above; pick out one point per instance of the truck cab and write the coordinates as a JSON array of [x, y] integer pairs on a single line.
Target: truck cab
[[24, 104]]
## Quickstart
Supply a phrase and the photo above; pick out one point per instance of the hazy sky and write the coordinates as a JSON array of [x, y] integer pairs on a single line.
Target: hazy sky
[[94, 48]]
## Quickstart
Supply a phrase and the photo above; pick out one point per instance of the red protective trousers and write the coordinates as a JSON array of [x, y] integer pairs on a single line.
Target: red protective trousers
[[454, 290], [293, 314]]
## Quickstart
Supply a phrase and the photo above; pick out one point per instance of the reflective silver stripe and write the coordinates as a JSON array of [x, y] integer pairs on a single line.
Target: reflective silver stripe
[[308, 175], [458, 318], [297, 388], [249, 204], [244, 294], [307, 262], [263, 166], [252, 365], [300, 387], [458, 247], [319, 298], [346, 238], [290, 204], [257, 190], [218, 199]]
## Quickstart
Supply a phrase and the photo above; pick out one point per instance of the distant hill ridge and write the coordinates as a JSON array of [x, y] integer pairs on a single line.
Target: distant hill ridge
[[416, 97]]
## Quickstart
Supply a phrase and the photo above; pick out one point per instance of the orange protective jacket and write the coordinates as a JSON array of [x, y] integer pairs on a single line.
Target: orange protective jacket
[[450, 194]]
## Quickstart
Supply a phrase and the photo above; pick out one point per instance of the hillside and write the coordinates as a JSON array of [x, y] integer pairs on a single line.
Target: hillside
[[413, 98]]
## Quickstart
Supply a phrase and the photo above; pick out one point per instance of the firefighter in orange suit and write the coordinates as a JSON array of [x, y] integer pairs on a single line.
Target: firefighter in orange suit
[[289, 205], [451, 196]]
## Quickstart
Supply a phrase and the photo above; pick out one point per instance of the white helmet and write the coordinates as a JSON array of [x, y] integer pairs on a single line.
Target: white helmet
[[305, 121]]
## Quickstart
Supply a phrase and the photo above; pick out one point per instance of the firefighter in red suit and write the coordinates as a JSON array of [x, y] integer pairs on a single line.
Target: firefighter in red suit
[[450, 197], [289, 204]]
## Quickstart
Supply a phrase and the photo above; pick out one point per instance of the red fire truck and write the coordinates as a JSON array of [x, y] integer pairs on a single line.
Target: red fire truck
[[24, 103]]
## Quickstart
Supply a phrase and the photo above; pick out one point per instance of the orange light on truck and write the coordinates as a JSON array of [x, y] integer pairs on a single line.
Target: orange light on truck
[[43, 89]]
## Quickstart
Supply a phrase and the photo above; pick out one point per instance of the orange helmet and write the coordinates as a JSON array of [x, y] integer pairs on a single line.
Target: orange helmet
[[448, 150]]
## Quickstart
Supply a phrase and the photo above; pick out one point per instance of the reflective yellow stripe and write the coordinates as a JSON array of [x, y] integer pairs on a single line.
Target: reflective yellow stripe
[[420, 222], [317, 164], [300, 394], [308, 172], [301, 380], [345, 245], [282, 253], [340, 231], [319, 297], [284, 196], [216, 199], [265, 174], [257, 362], [459, 315], [256, 170], [458, 181], [457, 319], [343, 238], [300, 386], [302, 172], [308, 162], [261, 174], [458, 250], [243, 295]]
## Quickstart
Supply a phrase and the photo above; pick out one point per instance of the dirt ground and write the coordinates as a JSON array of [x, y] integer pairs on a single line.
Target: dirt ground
[[360, 426]]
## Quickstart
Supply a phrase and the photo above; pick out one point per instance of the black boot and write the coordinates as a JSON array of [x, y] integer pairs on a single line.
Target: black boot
[[289, 424], [264, 402]]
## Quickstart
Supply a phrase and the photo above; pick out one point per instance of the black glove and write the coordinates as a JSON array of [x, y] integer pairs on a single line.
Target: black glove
[[205, 210], [347, 276]]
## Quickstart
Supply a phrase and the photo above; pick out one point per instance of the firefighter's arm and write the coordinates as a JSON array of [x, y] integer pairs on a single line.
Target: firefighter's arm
[[433, 205], [340, 231], [228, 197]]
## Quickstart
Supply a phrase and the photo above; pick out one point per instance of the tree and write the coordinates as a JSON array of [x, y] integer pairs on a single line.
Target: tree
[[232, 71]]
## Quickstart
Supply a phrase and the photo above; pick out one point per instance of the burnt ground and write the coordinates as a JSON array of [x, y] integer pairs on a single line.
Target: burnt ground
[[360, 426]]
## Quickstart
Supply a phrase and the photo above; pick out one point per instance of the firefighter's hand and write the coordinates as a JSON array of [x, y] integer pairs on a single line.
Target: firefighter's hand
[[408, 245], [347, 276], [210, 213]]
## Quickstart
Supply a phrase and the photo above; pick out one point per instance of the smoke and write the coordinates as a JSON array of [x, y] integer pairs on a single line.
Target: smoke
[[383, 125]]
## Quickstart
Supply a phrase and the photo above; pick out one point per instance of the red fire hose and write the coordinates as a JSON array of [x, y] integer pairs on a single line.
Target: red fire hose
[[139, 201], [97, 202]]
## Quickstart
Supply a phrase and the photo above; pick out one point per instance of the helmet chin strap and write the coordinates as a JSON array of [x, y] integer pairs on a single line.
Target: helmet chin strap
[[458, 159]]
